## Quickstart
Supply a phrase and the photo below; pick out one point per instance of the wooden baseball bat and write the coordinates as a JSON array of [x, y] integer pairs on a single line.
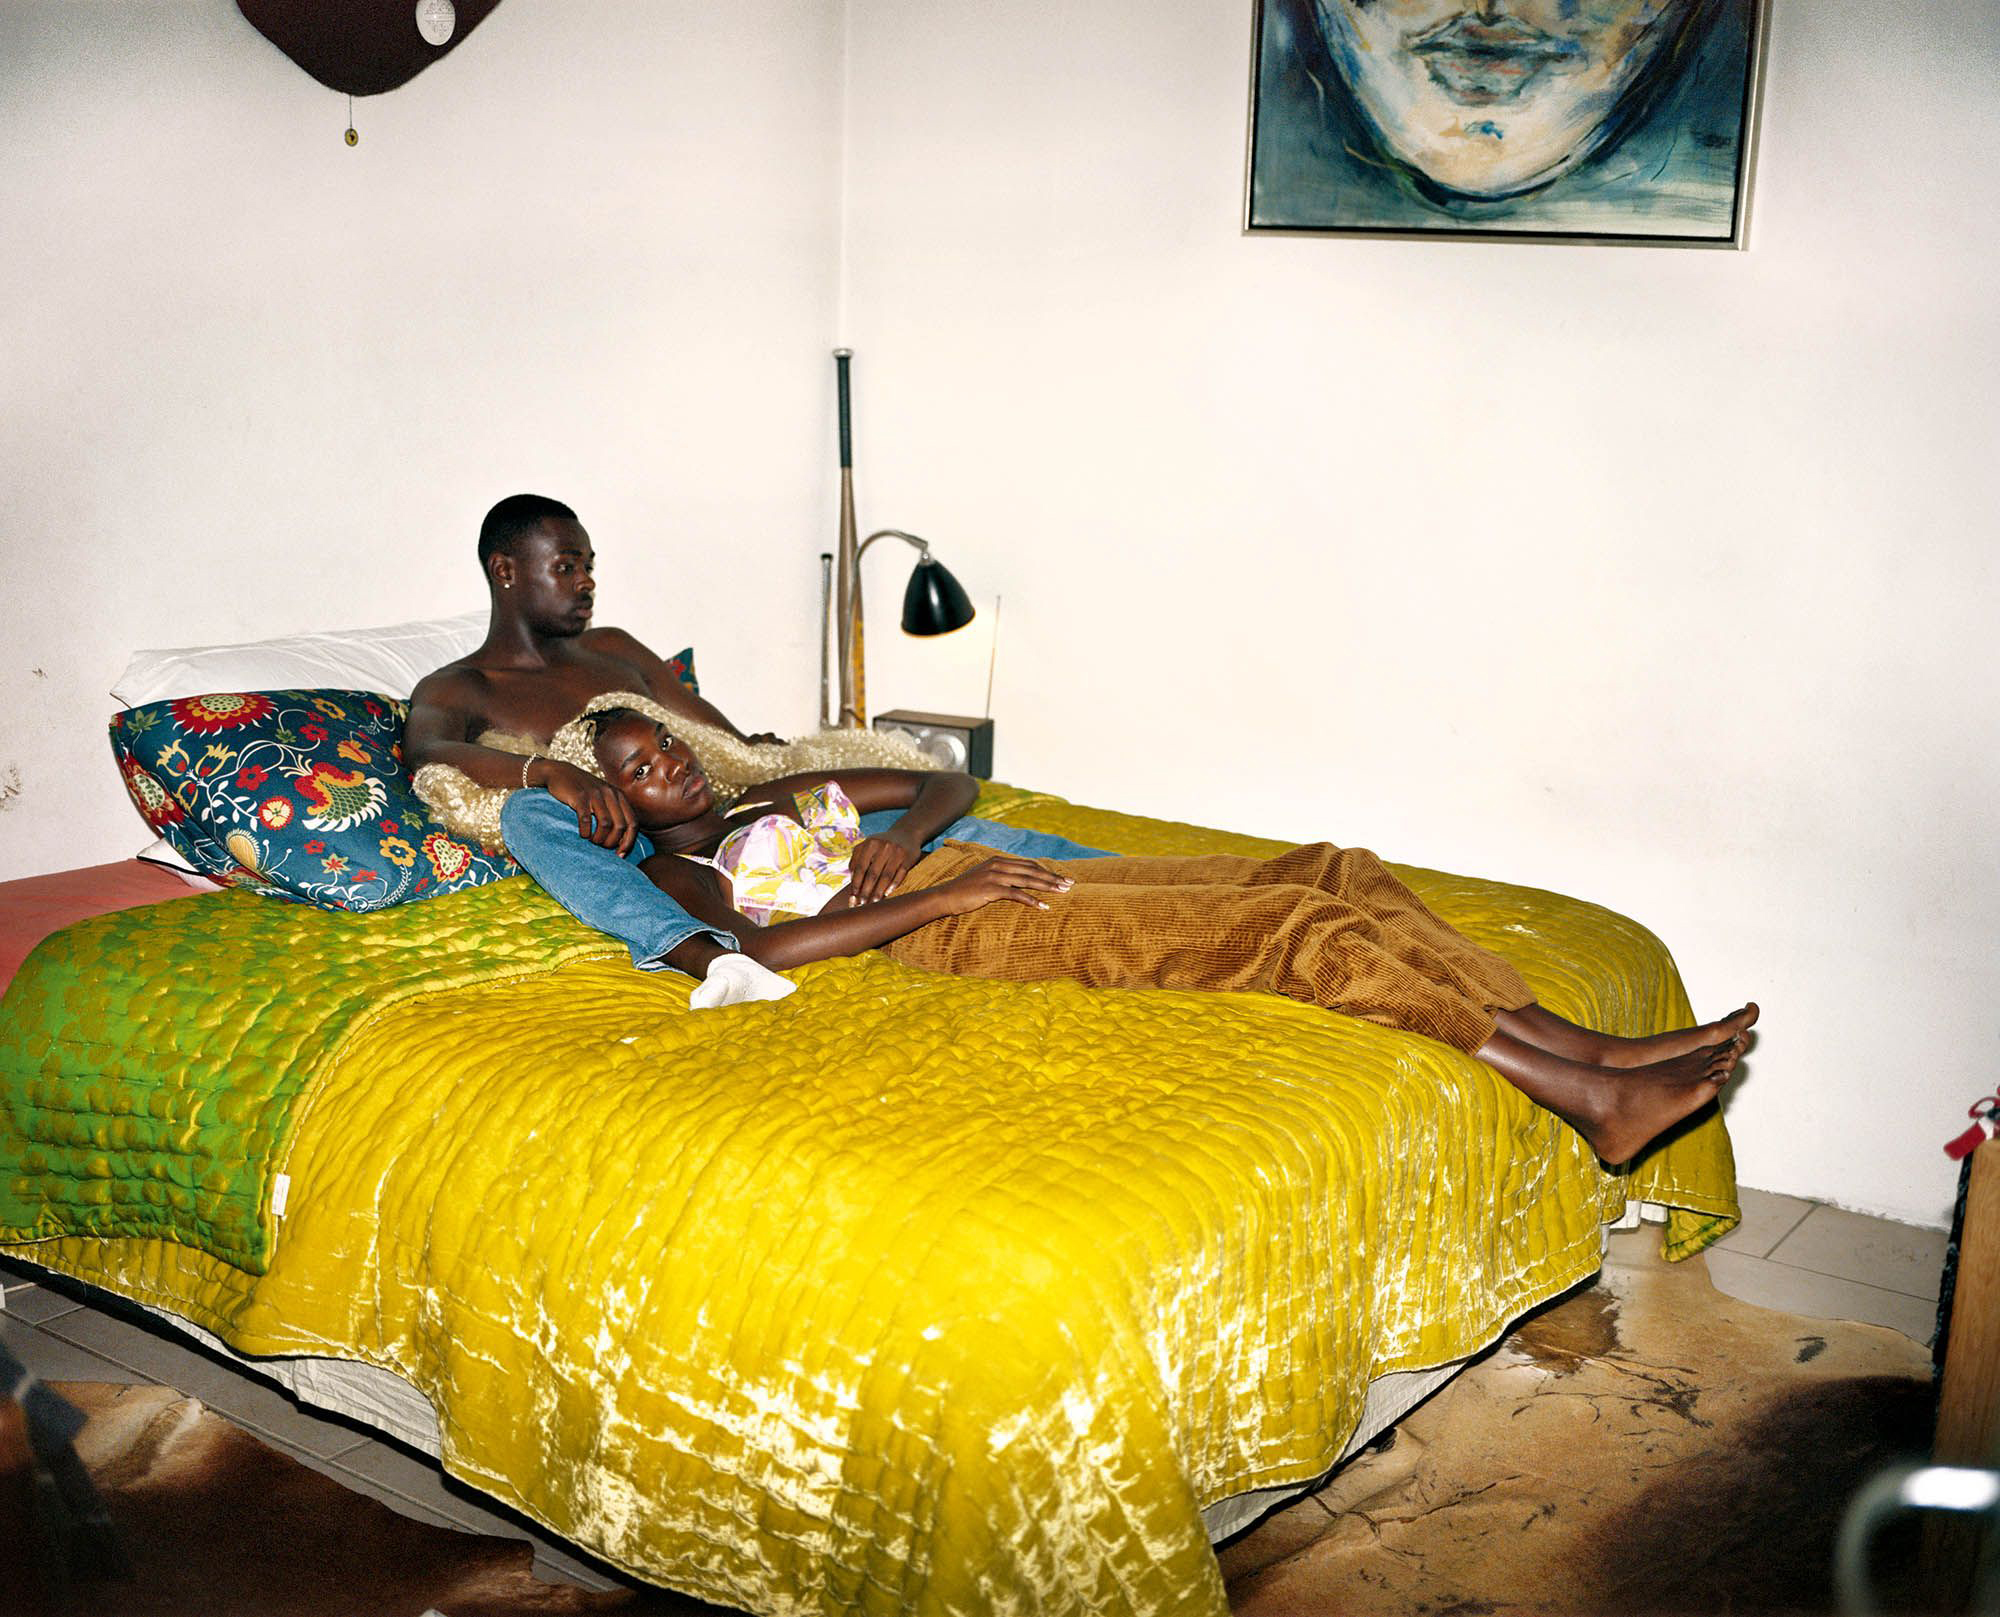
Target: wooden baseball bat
[[847, 587]]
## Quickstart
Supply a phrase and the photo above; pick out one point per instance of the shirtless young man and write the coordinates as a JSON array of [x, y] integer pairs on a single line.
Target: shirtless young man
[[540, 663]]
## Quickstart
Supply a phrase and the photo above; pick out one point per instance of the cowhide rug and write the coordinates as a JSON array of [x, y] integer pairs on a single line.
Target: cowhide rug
[[1646, 1445], [217, 1524]]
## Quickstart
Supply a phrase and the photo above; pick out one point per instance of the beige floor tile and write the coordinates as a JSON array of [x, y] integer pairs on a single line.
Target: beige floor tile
[[1818, 1296], [53, 1359], [386, 1496], [1767, 1219], [36, 1304], [415, 1477], [1640, 1244], [115, 1337], [1874, 1251], [554, 1566], [404, 1507]]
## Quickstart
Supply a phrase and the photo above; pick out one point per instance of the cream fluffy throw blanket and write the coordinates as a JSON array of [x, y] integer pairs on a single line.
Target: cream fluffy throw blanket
[[731, 764]]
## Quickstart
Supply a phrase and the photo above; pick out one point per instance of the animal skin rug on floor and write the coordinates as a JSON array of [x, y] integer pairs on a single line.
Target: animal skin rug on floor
[[1645, 1445], [219, 1525]]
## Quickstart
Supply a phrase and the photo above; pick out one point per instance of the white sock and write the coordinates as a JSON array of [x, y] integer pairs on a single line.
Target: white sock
[[736, 979]]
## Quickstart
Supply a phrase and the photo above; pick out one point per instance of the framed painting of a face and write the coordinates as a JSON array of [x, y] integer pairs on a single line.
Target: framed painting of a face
[[1605, 119]]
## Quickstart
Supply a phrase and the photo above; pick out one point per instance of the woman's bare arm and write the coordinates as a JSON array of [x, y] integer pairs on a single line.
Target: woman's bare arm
[[838, 932], [943, 794]]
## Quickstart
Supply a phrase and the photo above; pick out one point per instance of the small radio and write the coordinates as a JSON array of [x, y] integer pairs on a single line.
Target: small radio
[[954, 741]]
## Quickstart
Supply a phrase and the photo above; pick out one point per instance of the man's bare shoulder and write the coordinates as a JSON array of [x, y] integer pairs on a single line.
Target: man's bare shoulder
[[458, 684], [619, 643]]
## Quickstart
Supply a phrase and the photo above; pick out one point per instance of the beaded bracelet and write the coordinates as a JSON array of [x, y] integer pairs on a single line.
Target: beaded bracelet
[[527, 764]]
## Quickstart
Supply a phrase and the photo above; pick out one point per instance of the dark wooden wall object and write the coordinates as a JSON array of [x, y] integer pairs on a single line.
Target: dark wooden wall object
[[359, 47], [1957, 1556]]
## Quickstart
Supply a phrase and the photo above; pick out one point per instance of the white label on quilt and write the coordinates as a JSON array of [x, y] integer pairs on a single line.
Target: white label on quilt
[[281, 1191]]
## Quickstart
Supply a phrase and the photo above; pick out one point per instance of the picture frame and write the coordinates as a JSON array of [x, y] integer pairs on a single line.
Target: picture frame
[[1598, 121]]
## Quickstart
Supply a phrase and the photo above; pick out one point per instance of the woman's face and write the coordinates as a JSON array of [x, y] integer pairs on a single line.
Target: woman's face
[[1489, 98], [657, 774]]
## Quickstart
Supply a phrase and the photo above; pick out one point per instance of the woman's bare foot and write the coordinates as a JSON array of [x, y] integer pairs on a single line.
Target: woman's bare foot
[[1683, 1041], [1536, 1025], [1645, 1102], [1620, 1111]]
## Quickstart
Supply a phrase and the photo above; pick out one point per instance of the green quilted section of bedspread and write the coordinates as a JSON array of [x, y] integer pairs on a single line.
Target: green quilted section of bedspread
[[140, 1096]]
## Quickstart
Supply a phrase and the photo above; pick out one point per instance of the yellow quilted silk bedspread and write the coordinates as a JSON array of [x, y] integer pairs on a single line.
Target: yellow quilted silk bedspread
[[910, 1293]]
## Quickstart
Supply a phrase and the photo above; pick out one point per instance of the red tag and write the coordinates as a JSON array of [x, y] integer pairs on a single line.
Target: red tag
[[1967, 1143]]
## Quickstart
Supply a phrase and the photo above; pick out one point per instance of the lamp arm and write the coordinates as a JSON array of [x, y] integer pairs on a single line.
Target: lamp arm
[[845, 604], [923, 545]]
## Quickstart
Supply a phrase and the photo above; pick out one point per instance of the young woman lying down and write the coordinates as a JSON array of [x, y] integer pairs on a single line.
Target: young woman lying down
[[787, 872]]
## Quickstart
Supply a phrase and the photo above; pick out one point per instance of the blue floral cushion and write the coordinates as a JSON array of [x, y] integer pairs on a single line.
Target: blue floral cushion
[[299, 795]]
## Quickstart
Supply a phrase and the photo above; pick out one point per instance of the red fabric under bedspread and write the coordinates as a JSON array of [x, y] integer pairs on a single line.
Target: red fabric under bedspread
[[35, 906]]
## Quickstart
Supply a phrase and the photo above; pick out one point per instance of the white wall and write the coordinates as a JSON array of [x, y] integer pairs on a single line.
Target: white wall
[[1657, 576], [252, 381]]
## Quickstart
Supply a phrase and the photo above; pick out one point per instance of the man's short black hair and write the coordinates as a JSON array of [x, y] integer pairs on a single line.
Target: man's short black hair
[[513, 517]]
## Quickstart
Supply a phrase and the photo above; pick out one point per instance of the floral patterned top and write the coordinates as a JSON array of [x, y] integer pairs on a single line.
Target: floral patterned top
[[782, 868]]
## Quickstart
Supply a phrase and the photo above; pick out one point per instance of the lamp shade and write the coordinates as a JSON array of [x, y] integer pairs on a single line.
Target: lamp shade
[[935, 602]]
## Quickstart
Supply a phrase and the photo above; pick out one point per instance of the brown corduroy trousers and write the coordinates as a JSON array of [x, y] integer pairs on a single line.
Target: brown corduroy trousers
[[1326, 925]]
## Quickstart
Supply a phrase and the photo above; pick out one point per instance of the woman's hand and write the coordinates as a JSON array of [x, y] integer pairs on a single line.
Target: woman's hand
[[602, 814], [1019, 881], [879, 863]]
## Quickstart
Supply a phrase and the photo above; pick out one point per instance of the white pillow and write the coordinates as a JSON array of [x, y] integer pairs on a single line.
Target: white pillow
[[163, 853], [390, 660]]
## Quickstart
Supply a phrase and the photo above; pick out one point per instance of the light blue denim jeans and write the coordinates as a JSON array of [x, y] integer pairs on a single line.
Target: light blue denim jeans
[[1015, 839], [596, 886], [615, 896]]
